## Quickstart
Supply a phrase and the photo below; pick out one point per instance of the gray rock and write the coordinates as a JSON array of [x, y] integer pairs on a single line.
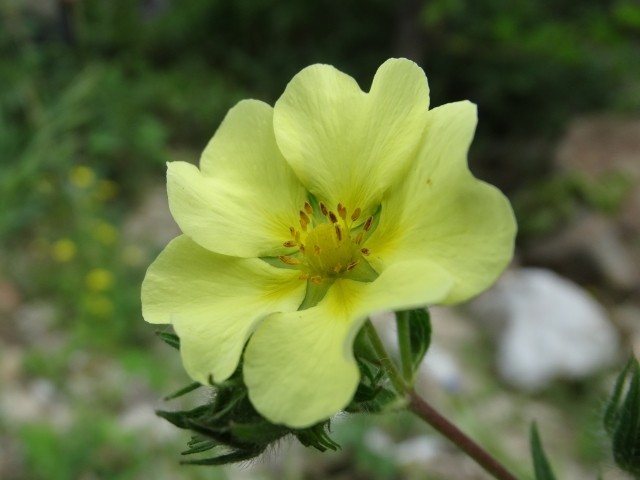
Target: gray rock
[[591, 249], [551, 328]]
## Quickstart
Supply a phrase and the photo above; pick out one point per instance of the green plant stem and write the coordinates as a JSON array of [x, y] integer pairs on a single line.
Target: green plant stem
[[426, 412], [404, 342]]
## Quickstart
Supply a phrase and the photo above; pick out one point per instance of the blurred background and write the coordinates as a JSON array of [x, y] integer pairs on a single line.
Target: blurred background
[[95, 97]]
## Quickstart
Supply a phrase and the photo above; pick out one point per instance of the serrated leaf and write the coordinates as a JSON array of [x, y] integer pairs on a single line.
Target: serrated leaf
[[626, 435], [420, 335], [541, 465], [611, 413]]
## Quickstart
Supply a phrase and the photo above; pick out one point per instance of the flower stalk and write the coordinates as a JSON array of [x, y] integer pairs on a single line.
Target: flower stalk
[[404, 342], [422, 409]]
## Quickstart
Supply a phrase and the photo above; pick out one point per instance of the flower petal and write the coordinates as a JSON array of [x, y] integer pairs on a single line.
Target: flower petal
[[442, 213], [245, 197], [214, 303], [346, 145], [299, 366]]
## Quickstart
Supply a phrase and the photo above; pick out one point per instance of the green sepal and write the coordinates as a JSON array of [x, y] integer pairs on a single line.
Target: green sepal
[[231, 430], [541, 465], [183, 391], [622, 419], [169, 338]]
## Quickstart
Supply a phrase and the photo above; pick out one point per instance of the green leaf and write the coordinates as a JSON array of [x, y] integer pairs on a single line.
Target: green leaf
[[420, 334], [622, 419], [541, 465], [611, 413]]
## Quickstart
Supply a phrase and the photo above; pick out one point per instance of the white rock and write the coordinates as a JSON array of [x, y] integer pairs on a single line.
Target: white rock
[[550, 328]]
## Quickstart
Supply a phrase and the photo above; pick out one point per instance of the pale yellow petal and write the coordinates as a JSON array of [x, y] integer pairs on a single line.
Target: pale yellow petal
[[299, 366], [245, 197], [346, 145], [441, 213], [214, 302]]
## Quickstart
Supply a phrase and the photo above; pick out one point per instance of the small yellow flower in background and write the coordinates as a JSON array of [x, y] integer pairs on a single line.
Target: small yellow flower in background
[[99, 305], [99, 279], [63, 250], [104, 232], [82, 176], [133, 255], [106, 190], [305, 218]]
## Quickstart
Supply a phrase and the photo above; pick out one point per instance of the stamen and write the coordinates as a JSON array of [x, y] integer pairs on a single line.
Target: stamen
[[316, 249], [302, 248], [359, 238], [317, 279], [365, 251], [352, 265], [356, 214], [303, 276], [290, 243], [342, 211], [337, 268], [289, 260], [297, 236], [333, 218], [338, 233], [292, 231], [367, 224], [308, 208], [304, 218], [323, 209]]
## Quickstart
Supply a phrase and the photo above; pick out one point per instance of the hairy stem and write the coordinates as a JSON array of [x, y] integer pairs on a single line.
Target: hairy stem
[[426, 412]]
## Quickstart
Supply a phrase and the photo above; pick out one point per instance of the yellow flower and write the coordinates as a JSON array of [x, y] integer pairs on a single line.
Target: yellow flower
[[99, 279], [63, 250], [305, 218], [104, 232], [82, 177]]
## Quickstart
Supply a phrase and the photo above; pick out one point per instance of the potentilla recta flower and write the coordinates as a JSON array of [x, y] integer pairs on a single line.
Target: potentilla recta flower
[[305, 218]]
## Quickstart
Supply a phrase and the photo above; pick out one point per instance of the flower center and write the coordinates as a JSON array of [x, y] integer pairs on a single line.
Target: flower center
[[328, 245]]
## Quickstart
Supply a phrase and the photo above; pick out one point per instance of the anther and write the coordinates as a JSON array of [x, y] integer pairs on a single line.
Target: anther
[[292, 231], [367, 224], [289, 260], [290, 243], [365, 251], [304, 218], [316, 249], [333, 218], [352, 265], [342, 211], [303, 276], [302, 249], [337, 268], [356, 214], [323, 209], [308, 208], [317, 279], [359, 238], [338, 233]]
